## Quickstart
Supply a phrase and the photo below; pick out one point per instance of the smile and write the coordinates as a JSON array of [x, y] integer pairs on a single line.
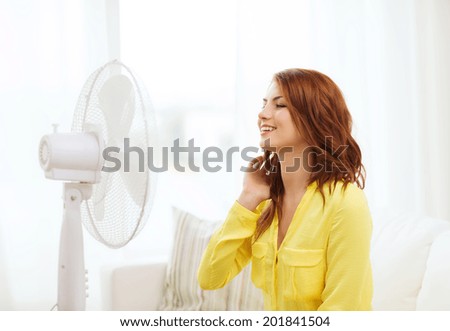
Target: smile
[[266, 129]]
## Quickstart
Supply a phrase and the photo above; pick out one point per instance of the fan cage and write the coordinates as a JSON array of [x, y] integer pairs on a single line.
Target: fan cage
[[121, 202]]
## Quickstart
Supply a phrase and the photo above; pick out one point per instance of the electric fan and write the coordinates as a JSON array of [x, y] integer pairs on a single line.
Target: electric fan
[[113, 120]]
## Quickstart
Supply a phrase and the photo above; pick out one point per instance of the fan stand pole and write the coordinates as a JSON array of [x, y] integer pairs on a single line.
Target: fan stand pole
[[71, 272]]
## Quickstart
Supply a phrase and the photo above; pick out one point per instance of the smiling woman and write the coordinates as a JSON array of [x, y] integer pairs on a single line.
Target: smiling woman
[[306, 230]]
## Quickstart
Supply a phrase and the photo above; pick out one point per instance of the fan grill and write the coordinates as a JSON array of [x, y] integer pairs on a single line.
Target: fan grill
[[121, 201]]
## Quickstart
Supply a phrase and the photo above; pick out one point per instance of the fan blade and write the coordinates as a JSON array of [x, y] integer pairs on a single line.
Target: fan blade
[[116, 99], [137, 175]]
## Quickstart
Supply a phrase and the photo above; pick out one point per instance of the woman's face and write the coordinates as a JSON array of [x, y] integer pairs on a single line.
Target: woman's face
[[277, 129]]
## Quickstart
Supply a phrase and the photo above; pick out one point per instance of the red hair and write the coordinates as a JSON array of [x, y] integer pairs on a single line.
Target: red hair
[[319, 111]]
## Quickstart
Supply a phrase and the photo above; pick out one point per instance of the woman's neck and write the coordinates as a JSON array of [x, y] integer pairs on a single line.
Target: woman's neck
[[294, 172]]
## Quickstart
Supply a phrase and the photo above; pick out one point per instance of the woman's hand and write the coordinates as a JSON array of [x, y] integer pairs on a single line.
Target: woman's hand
[[256, 187]]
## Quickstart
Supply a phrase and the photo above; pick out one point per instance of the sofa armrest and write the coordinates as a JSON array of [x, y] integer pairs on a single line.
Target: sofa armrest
[[435, 291], [138, 287]]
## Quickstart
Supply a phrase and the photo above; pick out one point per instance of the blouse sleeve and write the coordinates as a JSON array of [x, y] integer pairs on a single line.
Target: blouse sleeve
[[348, 280], [229, 249]]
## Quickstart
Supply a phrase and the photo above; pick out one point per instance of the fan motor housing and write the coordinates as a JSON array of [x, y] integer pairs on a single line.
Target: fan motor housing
[[72, 156]]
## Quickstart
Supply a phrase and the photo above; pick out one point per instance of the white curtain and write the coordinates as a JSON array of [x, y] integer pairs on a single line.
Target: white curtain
[[48, 49], [208, 71], [391, 59], [433, 102]]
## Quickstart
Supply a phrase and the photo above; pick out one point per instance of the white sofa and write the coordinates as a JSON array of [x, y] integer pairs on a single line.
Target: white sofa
[[410, 259]]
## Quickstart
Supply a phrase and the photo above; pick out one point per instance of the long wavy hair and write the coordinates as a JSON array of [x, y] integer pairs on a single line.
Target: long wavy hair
[[319, 111]]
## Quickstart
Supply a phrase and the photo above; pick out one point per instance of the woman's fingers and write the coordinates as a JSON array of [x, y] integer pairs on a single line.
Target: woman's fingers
[[257, 162]]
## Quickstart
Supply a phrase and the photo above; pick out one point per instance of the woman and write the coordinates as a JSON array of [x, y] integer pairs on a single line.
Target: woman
[[302, 217]]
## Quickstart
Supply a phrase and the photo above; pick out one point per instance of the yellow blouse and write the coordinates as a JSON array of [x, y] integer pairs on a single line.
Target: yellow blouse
[[323, 262]]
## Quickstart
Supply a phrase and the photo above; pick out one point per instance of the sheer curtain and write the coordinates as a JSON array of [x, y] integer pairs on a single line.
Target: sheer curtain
[[207, 71], [48, 49], [433, 99], [391, 60]]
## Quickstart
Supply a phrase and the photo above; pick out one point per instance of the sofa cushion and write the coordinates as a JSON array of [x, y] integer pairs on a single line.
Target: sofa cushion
[[131, 290], [181, 290], [435, 292], [400, 248]]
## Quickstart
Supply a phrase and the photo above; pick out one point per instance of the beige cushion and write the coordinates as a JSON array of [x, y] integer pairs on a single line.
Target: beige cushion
[[131, 289], [181, 290]]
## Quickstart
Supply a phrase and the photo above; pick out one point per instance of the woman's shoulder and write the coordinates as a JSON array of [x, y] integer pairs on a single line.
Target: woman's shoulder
[[346, 195], [350, 209]]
